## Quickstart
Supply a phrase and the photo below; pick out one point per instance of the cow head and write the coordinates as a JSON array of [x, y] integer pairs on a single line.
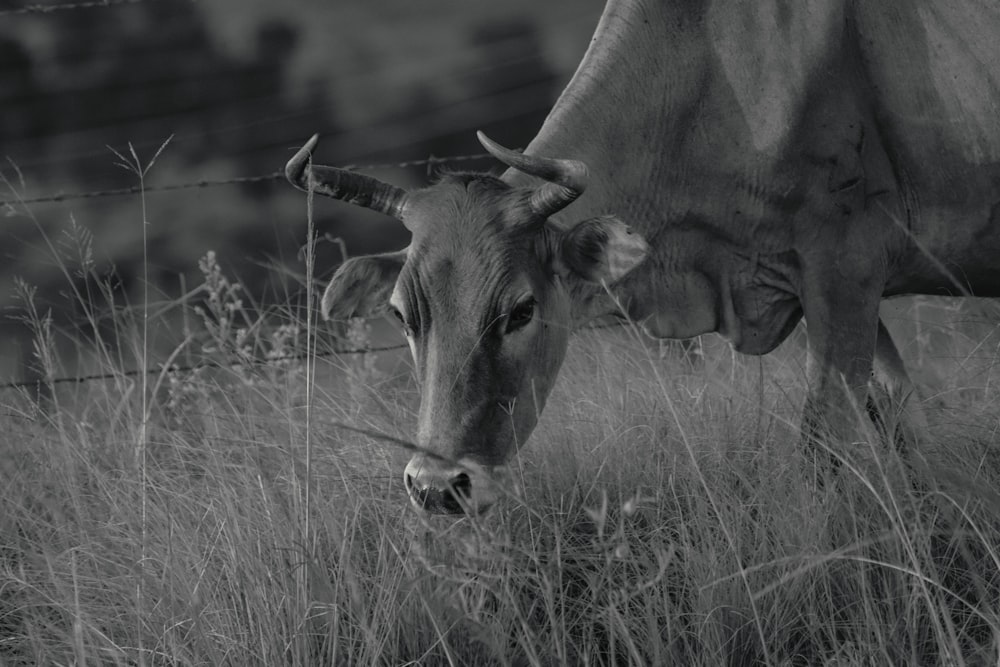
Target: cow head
[[486, 293]]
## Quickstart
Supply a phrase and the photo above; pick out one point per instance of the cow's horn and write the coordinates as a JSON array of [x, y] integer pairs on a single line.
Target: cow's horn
[[343, 184], [567, 179]]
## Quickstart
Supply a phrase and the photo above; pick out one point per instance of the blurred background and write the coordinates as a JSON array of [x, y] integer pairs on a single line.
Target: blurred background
[[237, 85]]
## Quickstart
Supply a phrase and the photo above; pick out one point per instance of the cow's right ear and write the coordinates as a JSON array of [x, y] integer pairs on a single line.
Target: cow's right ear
[[361, 287], [602, 249]]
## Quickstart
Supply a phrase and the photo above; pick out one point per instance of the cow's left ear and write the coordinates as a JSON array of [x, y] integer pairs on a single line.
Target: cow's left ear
[[602, 249], [361, 286]]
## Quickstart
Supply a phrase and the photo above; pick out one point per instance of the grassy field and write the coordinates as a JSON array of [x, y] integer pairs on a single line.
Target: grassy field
[[662, 513]]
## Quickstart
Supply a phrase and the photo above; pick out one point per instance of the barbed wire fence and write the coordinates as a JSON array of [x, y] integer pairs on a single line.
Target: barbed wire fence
[[9, 204], [429, 162], [247, 363], [190, 368]]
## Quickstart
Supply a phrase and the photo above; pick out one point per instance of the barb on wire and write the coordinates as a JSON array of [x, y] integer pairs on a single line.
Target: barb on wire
[[207, 183]]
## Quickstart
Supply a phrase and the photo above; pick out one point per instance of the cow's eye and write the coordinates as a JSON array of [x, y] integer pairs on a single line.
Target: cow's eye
[[402, 320], [521, 314]]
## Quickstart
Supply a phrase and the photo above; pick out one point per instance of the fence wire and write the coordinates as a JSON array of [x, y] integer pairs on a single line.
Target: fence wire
[[239, 180], [190, 368], [249, 363]]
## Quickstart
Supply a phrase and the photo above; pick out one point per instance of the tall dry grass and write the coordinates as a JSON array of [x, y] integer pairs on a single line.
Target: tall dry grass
[[662, 514]]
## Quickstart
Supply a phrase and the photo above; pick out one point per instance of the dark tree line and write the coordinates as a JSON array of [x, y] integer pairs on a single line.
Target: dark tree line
[[141, 73]]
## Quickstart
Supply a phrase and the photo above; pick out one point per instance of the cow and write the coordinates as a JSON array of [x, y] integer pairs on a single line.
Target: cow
[[719, 166]]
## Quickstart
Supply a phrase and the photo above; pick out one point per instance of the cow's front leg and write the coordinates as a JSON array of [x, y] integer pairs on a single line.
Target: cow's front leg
[[842, 324], [892, 402]]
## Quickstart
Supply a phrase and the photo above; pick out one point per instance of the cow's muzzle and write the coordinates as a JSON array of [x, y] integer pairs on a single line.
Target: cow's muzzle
[[440, 487]]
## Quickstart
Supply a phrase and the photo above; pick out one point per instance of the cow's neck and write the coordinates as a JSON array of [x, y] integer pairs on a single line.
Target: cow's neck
[[600, 119], [676, 152]]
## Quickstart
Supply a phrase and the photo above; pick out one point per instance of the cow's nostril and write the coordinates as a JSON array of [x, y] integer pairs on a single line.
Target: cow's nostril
[[408, 482], [459, 490], [462, 484]]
